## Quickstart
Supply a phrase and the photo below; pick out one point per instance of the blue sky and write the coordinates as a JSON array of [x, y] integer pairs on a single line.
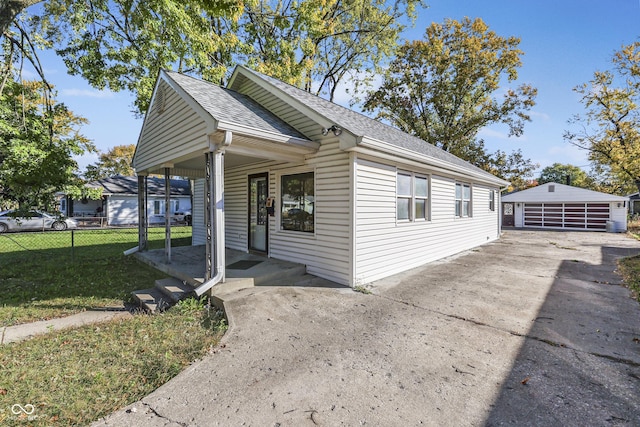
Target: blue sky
[[564, 42]]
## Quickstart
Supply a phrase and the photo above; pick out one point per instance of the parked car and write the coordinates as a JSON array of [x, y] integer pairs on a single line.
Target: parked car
[[183, 217], [34, 220]]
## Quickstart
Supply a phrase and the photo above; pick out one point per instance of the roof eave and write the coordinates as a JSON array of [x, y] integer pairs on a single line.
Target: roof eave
[[365, 143]]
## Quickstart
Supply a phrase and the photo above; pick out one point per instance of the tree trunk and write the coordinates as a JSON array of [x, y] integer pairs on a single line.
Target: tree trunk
[[9, 9]]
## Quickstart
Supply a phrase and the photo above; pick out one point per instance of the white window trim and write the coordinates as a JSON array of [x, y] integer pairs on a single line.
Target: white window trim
[[462, 199], [412, 197], [278, 208], [492, 200]]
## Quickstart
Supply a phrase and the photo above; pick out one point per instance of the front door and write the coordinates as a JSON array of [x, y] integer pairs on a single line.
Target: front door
[[508, 215], [258, 219]]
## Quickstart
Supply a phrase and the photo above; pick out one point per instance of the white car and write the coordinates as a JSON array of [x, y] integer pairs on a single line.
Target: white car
[[34, 220]]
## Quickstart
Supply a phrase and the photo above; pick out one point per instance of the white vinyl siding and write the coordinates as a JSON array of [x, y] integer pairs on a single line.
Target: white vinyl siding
[[384, 247], [199, 235], [171, 134], [326, 252]]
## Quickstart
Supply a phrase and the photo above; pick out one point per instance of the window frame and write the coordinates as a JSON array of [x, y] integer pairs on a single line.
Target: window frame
[[460, 200], [412, 197], [492, 200], [280, 209]]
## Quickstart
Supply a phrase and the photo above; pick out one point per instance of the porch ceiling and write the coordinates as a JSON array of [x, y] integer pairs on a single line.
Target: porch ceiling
[[242, 151]]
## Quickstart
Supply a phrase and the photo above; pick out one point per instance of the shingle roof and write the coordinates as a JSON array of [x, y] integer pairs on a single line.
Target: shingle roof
[[127, 185], [361, 125], [228, 105]]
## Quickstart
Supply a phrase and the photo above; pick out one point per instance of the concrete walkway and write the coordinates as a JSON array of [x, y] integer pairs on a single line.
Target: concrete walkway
[[28, 330], [531, 330]]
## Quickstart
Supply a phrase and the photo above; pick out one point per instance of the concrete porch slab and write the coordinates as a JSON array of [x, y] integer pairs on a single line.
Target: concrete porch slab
[[188, 264]]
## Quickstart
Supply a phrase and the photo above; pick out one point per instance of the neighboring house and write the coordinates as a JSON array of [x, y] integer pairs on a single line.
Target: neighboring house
[[290, 175], [119, 202], [634, 204], [559, 206]]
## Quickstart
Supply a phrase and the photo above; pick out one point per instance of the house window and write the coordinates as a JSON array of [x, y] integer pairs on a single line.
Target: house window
[[298, 202], [412, 197], [157, 207], [463, 200], [492, 200]]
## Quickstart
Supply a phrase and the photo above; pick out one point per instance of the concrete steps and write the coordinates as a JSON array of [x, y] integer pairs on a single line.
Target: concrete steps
[[167, 292], [164, 295]]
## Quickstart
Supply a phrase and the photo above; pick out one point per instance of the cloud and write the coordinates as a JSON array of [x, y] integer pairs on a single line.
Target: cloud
[[543, 116], [490, 133], [569, 153], [87, 93]]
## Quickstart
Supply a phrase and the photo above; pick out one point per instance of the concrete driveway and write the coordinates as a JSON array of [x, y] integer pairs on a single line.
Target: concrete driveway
[[534, 329]]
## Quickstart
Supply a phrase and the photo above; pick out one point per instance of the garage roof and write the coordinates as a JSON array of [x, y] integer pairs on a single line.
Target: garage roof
[[554, 192]]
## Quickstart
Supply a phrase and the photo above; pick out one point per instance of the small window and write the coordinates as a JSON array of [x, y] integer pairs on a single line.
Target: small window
[[157, 207], [463, 200], [404, 197], [492, 200], [297, 202], [552, 189], [412, 197]]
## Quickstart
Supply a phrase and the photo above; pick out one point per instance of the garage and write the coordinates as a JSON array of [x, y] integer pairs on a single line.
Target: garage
[[563, 207]]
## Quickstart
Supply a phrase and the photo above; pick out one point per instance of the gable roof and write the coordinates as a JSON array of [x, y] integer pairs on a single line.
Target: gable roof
[[554, 192], [128, 185], [226, 105], [364, 127]]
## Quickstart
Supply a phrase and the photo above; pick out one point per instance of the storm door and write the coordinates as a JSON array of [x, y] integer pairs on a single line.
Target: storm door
[[258, 219]]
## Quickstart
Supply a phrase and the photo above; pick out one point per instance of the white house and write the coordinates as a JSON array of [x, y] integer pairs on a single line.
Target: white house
[[559, 206], [292, 176], [119, 202]]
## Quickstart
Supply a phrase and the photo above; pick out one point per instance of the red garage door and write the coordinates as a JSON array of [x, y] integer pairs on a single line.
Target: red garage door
[[585, 216]]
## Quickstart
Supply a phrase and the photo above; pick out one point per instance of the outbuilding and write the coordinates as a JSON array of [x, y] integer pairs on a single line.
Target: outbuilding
[[286, 174], [559, 206]]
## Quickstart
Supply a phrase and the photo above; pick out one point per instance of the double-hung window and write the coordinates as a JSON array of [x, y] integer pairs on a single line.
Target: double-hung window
[[463, 200], [492, 200], [412, 192]]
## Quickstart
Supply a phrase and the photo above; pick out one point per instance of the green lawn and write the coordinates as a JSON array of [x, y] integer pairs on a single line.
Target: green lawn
[[42, 276], [77, 376]]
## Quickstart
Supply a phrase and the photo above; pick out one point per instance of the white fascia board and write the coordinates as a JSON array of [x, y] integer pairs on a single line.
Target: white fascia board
[[306, 144], [392, 152]]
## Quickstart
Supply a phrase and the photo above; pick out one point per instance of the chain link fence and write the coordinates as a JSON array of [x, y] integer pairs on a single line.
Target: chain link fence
[[83, 244]]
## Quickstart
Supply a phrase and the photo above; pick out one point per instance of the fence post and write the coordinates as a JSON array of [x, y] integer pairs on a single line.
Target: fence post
[[73, 246]]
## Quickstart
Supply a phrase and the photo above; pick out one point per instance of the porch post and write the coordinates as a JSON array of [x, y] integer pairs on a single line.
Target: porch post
[[142, 213], [167, 215], [214, 213]]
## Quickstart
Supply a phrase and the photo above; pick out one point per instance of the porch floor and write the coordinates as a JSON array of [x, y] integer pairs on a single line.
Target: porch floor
[[188, 264]]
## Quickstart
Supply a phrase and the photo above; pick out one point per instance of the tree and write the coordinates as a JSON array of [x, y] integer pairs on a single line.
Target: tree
[[314, 44], [441, 89], [116, 161], [123, 44], [37, 145], [560, 173], [610, 127]]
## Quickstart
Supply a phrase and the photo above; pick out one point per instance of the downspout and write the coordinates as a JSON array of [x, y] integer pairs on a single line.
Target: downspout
[[167, 215], [215, 247]]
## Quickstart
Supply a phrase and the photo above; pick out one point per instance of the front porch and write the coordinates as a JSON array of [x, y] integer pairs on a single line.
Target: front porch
[[243, 270]]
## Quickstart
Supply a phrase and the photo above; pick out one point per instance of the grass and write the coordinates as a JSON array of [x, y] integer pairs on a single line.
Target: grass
[[76, 376], [630, 267], [43, 277]]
